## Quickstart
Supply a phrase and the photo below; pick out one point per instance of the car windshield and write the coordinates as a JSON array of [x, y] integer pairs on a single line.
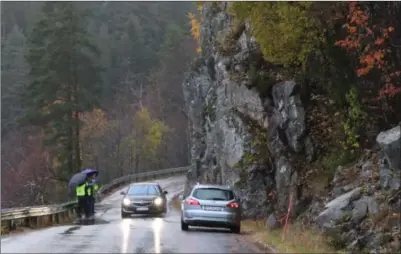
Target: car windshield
[[213, 194], [143, 190]]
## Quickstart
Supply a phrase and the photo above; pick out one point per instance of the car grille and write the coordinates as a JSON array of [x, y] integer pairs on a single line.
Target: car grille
[[142, 203]]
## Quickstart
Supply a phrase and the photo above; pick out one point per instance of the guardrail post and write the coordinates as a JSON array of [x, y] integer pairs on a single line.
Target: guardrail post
[[43, 220], [10, 225], [61, 217], [68, 213], [33, 222], [26, 222]]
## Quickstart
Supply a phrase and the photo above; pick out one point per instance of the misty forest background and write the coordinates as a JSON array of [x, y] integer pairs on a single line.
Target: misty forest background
[[90, 84]]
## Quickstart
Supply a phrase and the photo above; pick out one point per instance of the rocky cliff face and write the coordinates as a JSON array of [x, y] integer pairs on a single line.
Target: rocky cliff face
[[238, 137], [256, 139]]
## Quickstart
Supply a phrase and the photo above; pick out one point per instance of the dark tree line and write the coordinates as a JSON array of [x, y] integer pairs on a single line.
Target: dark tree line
[[90, 84]]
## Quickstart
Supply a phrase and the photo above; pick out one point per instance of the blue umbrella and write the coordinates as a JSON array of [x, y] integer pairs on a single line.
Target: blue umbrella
[[90, 171], [77, 180]]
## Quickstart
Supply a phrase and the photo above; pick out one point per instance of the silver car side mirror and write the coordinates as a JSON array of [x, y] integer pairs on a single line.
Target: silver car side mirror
[[181, 197]]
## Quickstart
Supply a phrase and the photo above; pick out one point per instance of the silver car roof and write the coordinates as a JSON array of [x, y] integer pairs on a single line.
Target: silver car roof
[[224, 187], [145, 183]]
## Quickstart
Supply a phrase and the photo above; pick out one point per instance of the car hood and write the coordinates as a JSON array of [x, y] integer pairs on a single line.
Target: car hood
[[139, 198]]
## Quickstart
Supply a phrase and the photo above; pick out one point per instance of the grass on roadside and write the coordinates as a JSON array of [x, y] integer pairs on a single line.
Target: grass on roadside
[[176, 202], [297, 239]]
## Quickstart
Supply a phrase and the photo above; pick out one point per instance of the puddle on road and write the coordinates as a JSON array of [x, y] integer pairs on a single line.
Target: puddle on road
[[172, 220], [166, 218], [71, 230], [151, 250], [97, 221]]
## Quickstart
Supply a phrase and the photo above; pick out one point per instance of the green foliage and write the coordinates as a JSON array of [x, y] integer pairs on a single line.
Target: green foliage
[[354, 118], [337, 158], [14, 78], [284, 30], [258, 145], [248, 158], [210, 111], [262, 80], [64, 79], [147, 136], [172, 36]]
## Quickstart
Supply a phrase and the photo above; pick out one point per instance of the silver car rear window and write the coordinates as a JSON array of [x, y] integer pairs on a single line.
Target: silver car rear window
[[213, 194]]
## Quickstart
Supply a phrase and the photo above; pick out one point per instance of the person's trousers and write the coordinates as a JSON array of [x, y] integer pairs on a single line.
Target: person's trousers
[[91, 205], [82, 206]]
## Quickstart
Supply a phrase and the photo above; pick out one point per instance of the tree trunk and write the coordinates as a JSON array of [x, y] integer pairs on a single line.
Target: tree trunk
[[70, 142], [118, 149], [77, 142]]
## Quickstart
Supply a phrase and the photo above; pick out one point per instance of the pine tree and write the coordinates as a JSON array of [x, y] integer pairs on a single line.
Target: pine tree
[[65, 79], [14, 72]]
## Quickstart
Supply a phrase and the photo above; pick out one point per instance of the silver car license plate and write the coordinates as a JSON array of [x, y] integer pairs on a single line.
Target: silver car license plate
[[142, 209], [212, 208]]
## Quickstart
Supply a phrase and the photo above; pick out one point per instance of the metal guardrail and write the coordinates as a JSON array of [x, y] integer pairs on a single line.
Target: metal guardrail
[[34, 211], [10, 214]]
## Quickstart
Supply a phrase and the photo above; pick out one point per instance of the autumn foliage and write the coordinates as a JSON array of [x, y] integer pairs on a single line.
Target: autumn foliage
[[370, 43], [195, 25]]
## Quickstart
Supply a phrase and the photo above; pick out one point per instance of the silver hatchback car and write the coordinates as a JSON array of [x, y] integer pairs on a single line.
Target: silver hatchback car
[[211, 206]]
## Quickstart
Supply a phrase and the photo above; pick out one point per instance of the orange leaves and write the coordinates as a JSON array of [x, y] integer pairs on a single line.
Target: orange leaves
[[195, 28], [379, 41], [362, 71], [370, 44], [390, 90], [348, 44], [352, 29], [356, 15], [369, 61], [195, 25], [95, 123]]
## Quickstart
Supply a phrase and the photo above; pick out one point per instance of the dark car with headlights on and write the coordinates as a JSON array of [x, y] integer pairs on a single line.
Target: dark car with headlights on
[[143, 198]]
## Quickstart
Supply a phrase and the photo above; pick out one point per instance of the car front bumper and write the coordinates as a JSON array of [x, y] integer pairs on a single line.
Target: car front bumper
[[142, 210]]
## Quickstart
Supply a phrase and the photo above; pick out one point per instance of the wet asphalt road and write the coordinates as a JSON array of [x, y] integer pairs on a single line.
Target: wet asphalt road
[[112, 234]]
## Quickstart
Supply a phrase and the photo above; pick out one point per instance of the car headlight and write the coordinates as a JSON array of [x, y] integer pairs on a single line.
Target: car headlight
[[158, 201], [126, 201]]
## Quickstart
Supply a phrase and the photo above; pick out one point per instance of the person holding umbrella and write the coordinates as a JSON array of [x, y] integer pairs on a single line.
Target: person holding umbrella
[[83, 191], [77, 184], [90, 188]]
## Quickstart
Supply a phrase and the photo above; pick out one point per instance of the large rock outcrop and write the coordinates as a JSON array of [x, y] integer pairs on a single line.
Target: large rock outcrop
[[362, 212], [238, 136]]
